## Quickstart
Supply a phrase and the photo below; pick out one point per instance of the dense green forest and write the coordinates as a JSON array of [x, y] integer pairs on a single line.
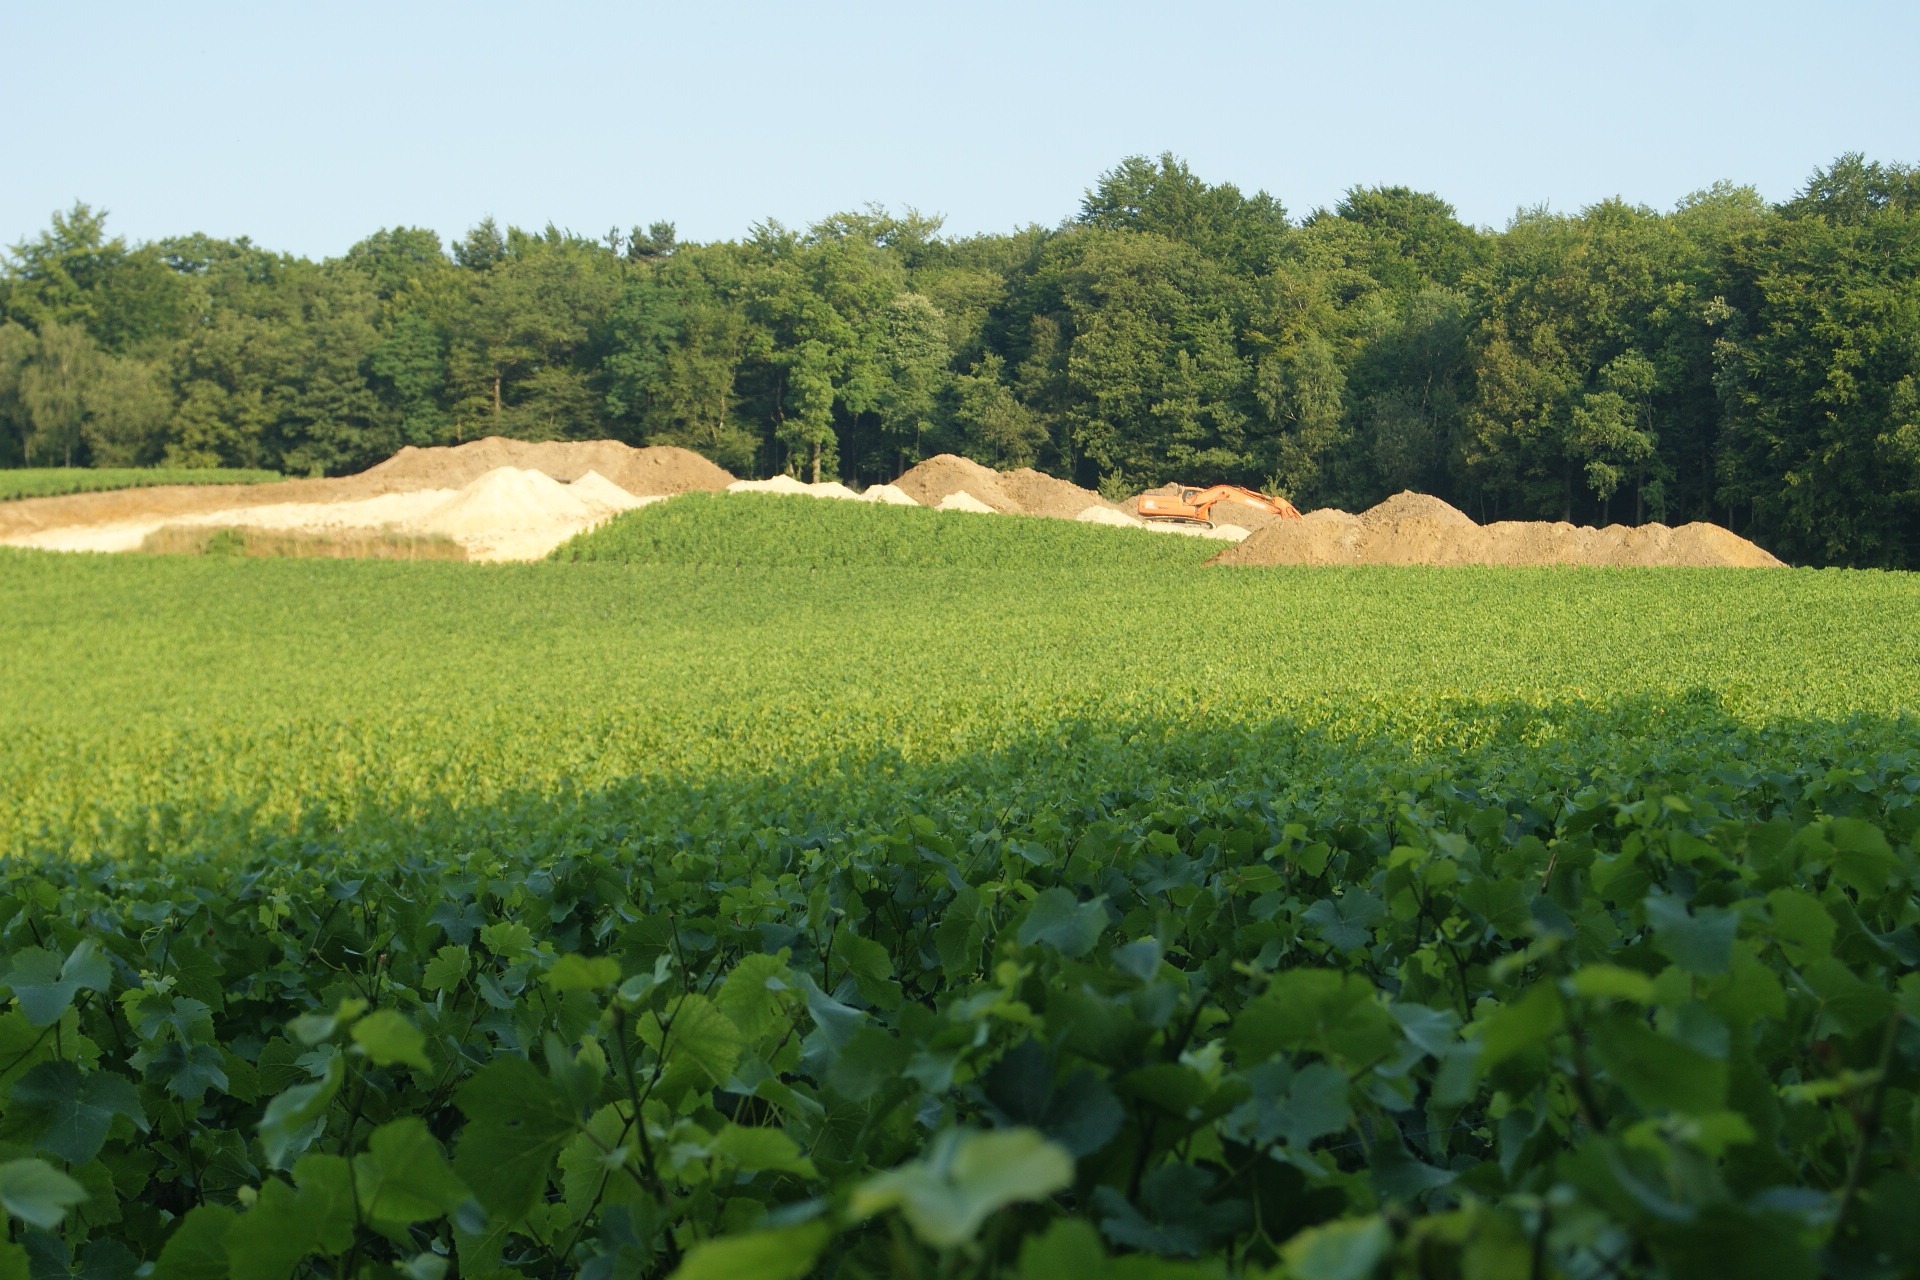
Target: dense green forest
[[1753, 364]]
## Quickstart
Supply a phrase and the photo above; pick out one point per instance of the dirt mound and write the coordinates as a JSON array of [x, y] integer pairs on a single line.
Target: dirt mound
[[1039, 494], [656, 469], [945, 474], [887, 495], [1408, 505], [1331, 515], [1412, 528], [1108, 515]]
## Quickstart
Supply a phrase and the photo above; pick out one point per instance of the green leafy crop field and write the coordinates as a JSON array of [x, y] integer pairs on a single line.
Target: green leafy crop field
[[771, 887], [52, 482]]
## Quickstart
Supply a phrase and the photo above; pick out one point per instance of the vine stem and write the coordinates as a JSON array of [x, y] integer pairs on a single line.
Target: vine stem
[[1869, 1128], [640, 1123]]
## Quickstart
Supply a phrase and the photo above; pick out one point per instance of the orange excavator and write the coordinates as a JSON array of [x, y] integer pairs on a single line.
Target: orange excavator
[[1195, 506]]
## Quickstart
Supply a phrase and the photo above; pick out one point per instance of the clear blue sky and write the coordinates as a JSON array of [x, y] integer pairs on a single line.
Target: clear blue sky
[[307, 126]]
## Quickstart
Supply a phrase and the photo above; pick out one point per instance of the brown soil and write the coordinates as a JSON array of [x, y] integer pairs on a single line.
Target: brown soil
[[1408, 505], [945, 474], [644, 472], [1412, 528], [1039, 494], [657, 469]]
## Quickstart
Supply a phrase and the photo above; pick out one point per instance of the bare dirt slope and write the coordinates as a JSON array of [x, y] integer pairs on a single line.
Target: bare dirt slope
[[1413, 528], [1039, 494], [654, 470], [945, 474]]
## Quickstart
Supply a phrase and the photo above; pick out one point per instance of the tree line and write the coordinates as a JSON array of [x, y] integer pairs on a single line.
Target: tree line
[[1732, 360]]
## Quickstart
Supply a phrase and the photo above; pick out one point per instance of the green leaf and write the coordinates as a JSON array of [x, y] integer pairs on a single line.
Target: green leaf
[[1610, 982], [404, 1177], [46, 986], [700, 1045], [70, 1112], [1352, 1249], [964, 1177], [786, 1253], [314, 1028], [508, 939], [1700, 942], [284, 1225], [1851, 1004], [1659, 1072], [1801, 925], [197, 1248], [753, 1150], [1532, 1020], [37, 1193], [1336, 1014], [1069, 1249], [1862, 859], [293, 1118], [582, 973], [388, 1039], [517, 1123], [450, 964], [1063, 922]]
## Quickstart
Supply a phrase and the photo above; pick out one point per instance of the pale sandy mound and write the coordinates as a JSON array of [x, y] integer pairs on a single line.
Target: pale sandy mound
[[1108, 515], [888, 495], [1036, 493], [98, 519], [961, 500], [596, 488], [1412, 528], [656, 469], [945, 474], [1229, 533], [515, 514], [506, 514], [775, 484], [797, 488]]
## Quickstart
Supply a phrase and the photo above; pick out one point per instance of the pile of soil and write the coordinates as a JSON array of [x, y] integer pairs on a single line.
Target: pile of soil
[[1039, 494], [946, 474], [1408, 505], [887, 495], [1414, 528], [656, 469]]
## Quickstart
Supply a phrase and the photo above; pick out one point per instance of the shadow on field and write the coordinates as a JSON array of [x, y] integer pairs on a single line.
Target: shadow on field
[[1356, 770]]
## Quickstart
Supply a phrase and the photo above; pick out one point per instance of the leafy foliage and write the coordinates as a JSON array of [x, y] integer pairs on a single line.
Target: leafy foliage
[[722, 915]]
